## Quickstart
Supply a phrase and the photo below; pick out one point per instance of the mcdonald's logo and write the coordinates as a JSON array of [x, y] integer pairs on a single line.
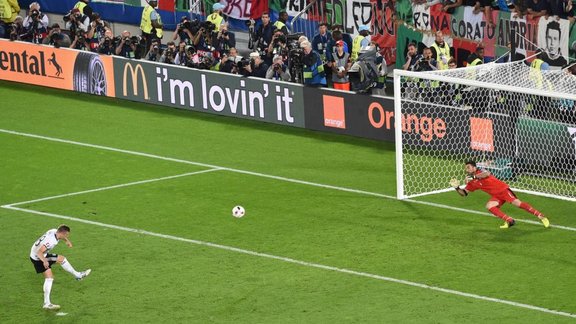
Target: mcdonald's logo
[[134, 73]]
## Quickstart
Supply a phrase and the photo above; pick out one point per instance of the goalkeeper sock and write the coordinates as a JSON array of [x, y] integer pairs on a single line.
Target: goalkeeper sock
[[498, 213], [527, 207]]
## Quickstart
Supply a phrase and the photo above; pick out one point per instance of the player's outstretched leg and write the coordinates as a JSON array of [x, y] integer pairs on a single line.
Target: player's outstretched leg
[[69, 268], [527, 207]]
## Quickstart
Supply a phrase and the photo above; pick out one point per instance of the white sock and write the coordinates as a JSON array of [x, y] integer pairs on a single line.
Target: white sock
[[68, 267], [47, 289]]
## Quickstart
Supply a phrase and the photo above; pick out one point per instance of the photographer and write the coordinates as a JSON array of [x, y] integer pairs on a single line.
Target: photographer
[[169, 53], [56, 37], [313, 69], [229, 61], [97, 30], [154, 52], [278, 70], [185, 31], [256, 68], [426, 62], [16, 30], [36, 24], [76, 20], [412, 58], [203, 38], [276, 47], [126, 46], [107, 45], [181, 57], [80, 42], [224, 40]]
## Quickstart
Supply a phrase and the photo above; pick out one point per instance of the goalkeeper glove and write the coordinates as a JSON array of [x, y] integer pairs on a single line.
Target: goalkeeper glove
[[455, 183]]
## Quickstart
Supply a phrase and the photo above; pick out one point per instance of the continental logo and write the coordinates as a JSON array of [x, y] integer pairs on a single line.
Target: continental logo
[[135, 74]]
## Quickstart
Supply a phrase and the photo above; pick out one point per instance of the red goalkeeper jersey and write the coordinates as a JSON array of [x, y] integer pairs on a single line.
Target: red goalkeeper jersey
[[490, 185]]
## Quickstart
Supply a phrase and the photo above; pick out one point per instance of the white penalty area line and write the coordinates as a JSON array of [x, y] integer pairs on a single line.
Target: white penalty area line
[[210, 166], [114, 187], [299, 262]]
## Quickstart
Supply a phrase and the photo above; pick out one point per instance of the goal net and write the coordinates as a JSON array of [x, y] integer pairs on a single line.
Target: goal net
[[513, 120]]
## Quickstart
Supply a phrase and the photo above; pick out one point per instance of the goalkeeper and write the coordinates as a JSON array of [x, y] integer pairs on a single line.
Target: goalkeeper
[[499, 192]]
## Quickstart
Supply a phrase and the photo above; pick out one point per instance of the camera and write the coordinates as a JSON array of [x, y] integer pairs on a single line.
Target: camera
[[243, 63], [277, 67], [34, 14], [80, 35], [280, 39], [208, 26]]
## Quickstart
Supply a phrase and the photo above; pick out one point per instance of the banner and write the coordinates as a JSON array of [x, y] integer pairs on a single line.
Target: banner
[[244, 9], [56, 68], [210, 92]]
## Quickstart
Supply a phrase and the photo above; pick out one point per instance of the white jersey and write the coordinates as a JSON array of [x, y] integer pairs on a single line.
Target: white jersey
[[48, 240]]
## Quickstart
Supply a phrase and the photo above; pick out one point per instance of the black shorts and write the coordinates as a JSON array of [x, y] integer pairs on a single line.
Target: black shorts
[[39, 266]]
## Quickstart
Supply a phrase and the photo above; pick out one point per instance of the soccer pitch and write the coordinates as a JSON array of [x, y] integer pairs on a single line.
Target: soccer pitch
[[148, 193]]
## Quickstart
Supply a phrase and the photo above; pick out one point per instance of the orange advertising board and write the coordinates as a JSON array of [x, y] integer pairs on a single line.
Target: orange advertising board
[[57, 68]]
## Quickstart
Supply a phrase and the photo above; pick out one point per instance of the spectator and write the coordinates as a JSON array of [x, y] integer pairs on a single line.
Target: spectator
[[228, 62], [477, 57], [278, 70], [56, 37], [75, 20], [84, 7], [97, 31], [151, 24], [360, 41], [280, 24], [5, 29], [169, 53], [561, 9], [441, 51], [340, 66], [264, 33], [313, 69], [216, 16], [256, 68], [537, 8], [184, 31], [80, 42], [224, 40], [36, 24], [126, 47], [331, 45], [154, 52]]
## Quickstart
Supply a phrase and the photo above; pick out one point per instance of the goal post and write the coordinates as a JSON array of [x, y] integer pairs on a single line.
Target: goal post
[[515, 121]]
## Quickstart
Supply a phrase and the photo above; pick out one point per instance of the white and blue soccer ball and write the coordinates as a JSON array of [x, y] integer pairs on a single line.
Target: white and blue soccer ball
[[238, 211]]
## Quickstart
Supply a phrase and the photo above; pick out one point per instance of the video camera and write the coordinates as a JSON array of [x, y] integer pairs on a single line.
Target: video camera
[[295, 53], [208, 26]]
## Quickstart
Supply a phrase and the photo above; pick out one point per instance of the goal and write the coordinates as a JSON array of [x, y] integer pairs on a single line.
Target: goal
[[513, 120]]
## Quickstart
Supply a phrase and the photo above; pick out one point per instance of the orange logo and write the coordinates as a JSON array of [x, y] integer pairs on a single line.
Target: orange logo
[[481, 134], [334, 115]]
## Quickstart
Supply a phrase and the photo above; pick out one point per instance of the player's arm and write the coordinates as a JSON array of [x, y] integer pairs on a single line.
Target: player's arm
[[68, 243], [482, 175], [456, 185], [40, 255]]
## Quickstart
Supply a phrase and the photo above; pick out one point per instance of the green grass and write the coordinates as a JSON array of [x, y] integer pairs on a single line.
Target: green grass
[[142, 278]]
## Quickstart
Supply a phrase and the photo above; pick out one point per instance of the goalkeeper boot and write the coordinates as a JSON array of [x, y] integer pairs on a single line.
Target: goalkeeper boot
[[508, 224], [545, 221]]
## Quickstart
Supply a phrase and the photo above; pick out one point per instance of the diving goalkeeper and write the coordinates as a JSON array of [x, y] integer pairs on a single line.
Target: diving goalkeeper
[[499, 192]]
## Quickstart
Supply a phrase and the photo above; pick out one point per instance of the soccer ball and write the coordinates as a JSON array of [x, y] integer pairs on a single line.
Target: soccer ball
[[238, 211]]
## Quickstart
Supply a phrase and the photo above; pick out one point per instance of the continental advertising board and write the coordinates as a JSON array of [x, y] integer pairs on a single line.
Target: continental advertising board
[[210, 92], [56, 68]]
